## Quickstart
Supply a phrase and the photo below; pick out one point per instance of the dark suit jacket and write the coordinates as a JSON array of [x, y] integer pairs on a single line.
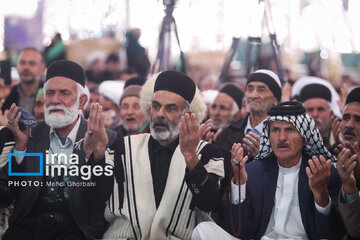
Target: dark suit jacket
[[14, 97], [351, 215], [87, 214], [260, 197]]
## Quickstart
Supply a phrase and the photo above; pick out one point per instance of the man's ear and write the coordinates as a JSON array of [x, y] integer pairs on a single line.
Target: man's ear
[[82, 101], [276, 102]]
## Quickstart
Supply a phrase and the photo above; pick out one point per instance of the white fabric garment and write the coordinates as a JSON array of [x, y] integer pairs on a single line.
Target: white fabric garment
[[210, 231], [285, 221]]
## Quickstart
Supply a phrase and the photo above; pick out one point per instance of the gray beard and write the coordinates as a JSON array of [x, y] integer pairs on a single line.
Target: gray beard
[[168, 134]]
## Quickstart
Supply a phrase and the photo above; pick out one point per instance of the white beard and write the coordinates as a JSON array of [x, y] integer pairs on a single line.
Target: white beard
[[60, 120], [171, 132]]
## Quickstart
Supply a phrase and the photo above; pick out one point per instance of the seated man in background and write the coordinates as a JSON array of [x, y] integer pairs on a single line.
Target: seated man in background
[[316, 99], [348, 164], [226, 107], [31, 68], [289, 192], [164, 182], [110, 93], [39, 105], [133, 119]]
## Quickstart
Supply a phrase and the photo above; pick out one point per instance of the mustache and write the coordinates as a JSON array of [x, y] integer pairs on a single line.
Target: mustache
[[318, 120], [216, 119], [349, 131], [55, 107], [250, 100], [160, 122], [282, 144]]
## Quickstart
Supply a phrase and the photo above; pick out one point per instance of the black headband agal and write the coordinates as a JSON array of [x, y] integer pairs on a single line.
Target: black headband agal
[[287, 109]]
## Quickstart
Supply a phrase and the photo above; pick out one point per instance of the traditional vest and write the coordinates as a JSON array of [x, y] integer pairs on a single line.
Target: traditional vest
[[138, 217]]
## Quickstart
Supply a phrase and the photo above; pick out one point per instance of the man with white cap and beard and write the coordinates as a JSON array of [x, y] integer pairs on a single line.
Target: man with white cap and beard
[[164, 182], [53, 210]]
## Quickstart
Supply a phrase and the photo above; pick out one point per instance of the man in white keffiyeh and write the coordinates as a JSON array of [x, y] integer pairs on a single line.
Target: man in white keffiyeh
[[289, 191]]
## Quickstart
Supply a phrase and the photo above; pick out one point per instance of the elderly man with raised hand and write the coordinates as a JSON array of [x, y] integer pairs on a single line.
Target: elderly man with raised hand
[[164, 182], [263, 90], [348, 164], [290, 191], [53, 209]]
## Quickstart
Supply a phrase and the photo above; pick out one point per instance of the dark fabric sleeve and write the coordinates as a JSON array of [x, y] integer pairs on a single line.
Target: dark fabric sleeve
[[204, 185], [105, 183], [332, 224], [7, 194]]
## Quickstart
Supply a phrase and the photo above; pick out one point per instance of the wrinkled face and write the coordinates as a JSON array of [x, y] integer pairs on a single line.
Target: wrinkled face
[[30, 66], [350, 124], [319, 110], [286, 142], [39, 108], [165, 115], [131, 115], [259, 98], [220, 111], [61, 102]]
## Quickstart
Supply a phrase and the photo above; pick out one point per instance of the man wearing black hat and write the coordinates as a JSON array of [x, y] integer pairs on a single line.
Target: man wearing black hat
[[348, 164], [290, 191], [165, 181], [263, 90], [53, 209], [317, 99], [226, 107]]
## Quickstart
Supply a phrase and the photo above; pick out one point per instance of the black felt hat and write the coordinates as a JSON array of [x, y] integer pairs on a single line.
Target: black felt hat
[[315, 91], [354, 96], [234, 92], [135, 81], [176, 82], [68, 69]]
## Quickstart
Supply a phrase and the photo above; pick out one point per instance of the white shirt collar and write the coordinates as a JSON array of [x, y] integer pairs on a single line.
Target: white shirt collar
[[259, 127], [291, 169]]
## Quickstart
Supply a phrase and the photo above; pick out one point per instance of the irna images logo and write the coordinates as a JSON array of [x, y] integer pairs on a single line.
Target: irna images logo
[[60, 165], [39, 155]]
